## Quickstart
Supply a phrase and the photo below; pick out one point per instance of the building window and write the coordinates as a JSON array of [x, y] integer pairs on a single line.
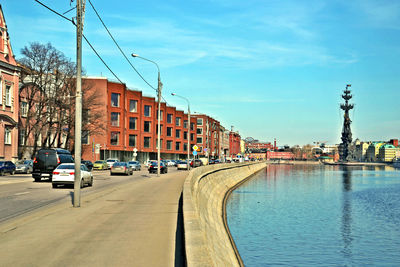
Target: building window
[[185, 135], [115, 119], [85, 137], [192, 126], [132, 123], [185, 124], [169, 145], [178, 133], [146, 126], [147, 141], [114, 138], [199, 131], [199, 140], [132, 105], [178, 121], [161, 115], [7, 136], [115, 99], [22, 137], [8, 95], [185, 147], [132, 140], [191, 137], [169, 131], [178, 146], [161, 127], [199, 121], [24, 109], [1, 91], [169, 118], [147, 111]]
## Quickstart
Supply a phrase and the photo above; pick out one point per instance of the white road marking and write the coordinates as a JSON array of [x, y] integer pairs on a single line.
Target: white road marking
[[22, 193]]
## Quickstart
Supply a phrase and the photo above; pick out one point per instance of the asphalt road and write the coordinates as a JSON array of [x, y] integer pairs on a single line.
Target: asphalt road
[[122, 221], [19, 194]]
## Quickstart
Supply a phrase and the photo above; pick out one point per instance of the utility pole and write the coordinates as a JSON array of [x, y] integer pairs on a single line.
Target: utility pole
[[78, 104]]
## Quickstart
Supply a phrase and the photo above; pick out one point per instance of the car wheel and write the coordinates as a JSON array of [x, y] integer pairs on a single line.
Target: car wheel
[[28, 171], [12, 172], [37, 179], [54, 185], [1, 173], [82, 183]]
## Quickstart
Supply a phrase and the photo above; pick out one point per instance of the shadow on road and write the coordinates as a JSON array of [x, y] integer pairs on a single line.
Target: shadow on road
[[180, 253]]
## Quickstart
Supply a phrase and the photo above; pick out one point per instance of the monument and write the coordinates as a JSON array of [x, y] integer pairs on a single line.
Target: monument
[[346, 132]]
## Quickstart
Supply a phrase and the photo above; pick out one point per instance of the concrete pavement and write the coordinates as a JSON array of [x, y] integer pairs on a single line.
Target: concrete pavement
[[133, 224]]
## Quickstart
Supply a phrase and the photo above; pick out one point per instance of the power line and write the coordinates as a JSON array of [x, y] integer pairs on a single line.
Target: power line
[[91, 46], [122, 52]]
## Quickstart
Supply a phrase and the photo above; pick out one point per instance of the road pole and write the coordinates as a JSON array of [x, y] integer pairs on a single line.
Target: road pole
[[159, 88], [78, 105]]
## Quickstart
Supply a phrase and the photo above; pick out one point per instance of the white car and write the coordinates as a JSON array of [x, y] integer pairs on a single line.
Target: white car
[[110, 162], [182, 165], [65, 174]]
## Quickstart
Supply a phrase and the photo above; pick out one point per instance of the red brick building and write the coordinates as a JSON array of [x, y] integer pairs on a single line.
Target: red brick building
[[9, 104], [131, 123], [234, 143], [207, 136]]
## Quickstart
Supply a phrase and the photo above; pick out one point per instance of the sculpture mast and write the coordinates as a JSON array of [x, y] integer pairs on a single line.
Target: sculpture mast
[[346, 132]]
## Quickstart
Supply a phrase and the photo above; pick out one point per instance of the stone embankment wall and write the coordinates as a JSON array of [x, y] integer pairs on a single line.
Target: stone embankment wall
[[207, 238]]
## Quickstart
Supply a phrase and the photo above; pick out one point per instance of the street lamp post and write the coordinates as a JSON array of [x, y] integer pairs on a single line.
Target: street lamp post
[[159, 88], [188, 137]]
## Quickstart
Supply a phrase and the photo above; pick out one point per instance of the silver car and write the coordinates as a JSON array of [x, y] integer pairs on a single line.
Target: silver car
[[121, 168], [135, 165], [24, 166]]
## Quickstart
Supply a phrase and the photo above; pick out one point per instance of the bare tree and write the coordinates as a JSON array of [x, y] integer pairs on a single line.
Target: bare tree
[[48, 87]]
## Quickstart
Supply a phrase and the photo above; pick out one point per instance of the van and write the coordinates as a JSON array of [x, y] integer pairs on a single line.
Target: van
[[46, 160]]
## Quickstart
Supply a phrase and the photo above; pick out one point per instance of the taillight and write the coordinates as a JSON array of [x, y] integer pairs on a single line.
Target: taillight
[[72, 173], [34, 160], [125, 168], [58, 160], [55, 173]]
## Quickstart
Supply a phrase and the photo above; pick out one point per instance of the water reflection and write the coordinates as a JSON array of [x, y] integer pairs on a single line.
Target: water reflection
[[347, 215]]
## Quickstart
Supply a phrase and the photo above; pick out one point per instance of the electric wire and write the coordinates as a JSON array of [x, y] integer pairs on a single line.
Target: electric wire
[[122, 52], [91, 46], [94, 50]]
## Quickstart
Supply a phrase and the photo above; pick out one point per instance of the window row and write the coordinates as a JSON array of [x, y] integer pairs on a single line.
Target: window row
[[8, 94]]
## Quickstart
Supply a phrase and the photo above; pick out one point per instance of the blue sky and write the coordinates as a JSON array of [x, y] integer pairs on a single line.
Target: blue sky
[[272, 69]]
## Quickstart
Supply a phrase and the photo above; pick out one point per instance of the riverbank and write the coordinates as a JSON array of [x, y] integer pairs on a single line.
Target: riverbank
[[207, 238]]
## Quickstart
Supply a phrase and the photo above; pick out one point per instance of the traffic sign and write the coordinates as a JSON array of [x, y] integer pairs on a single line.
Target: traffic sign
[[135, 150], [205, 149], [195, 148], [194, 153], [134, 154]]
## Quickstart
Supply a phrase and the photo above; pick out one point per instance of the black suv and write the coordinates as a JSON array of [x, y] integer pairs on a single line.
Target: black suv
[[47, 159]]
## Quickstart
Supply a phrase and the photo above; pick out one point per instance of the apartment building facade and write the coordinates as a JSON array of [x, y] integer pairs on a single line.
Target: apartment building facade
[[207, 136], [9, 104], [131, 121]]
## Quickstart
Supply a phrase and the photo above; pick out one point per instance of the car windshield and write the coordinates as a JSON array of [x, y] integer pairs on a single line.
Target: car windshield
[[1, 163], [27, 161], [119, 164], [133, 162], [99, 161], [111, 160]]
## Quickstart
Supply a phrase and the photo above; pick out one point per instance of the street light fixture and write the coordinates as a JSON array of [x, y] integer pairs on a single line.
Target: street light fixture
[[188, 137], [159, 88]]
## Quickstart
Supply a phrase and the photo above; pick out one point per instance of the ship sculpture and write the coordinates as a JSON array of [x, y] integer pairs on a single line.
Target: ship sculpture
[[346, 132]]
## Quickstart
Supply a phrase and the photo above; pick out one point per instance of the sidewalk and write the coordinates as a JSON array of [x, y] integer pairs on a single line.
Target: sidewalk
[[134, 224]]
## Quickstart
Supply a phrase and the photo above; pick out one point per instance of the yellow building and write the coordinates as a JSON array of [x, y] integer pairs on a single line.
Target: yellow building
[[387, 153]]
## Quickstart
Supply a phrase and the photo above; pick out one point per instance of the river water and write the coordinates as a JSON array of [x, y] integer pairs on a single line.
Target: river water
[[299, 215]]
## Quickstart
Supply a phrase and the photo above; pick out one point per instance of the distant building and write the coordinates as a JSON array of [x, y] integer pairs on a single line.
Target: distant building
[[9, 104], [387, 153], [373, 151], [234, 143]]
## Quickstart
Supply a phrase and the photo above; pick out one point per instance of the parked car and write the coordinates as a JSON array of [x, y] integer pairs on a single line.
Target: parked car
[[7, 167], [196, 163], [182, 165], [110, 162], [47, 159], [154, 166], [24, 166], [88, 164], [170, 163], [64, 174], [135, 165], [100, 165], [121, 168]]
